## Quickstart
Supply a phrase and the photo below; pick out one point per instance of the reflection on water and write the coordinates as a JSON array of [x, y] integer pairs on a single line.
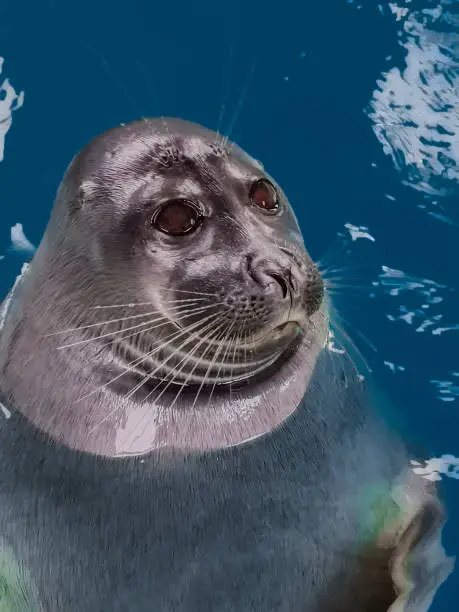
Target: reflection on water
[[415, 110]]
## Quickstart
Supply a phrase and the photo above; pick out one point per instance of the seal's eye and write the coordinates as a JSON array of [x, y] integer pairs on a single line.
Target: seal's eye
[[177, 217], [264, 195]]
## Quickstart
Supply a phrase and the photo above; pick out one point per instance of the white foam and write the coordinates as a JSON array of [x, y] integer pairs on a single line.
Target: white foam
[[398, 11], [357, 232], [421, 299], [19, 241], [7, 301], [433, 469], [414, 109], [448, 390], [394, 367], [9, 102]]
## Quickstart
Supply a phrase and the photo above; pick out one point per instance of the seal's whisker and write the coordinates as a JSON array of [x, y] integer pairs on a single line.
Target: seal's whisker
[[194, 367], [191, 292], [336, 280], [91, 49], [221, 364], [121, 331], [183, 362], [149, 329], [336, 251], [128, 305], [237, 343], [240, 103], [111, 334], [138, 386], [131, 366], [225, 99], [174, 352], [357, 331], [182, 300], [189, 354], [134, 304], [337, 327], [245, 345], [213, 361], [326, 269], [333, 288], [119, 320], [357, 268], [333, 273], [144, 401], [221, 339]]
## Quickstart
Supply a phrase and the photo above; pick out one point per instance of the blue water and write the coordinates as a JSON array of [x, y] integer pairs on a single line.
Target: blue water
[[297, 82]]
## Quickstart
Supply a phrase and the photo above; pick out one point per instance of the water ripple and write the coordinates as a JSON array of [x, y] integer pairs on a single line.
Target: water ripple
[[414, 108], [419, 309]]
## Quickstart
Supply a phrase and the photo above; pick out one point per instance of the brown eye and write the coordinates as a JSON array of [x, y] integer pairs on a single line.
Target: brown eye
[[264, 195], [177, 217]]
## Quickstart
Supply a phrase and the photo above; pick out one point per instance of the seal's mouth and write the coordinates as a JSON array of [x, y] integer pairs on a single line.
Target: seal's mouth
[[203, 362]]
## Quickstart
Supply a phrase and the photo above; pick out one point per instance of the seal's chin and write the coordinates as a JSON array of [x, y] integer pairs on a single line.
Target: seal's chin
[[267, 353], [208, 362], [226, 399]]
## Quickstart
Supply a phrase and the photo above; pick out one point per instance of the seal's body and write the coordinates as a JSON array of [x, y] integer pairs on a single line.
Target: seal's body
[[199, 448], [288, 523]]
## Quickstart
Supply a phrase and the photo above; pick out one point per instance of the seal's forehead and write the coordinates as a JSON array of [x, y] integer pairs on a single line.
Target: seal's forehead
[[198, 147], [188, 159], [141, 153]]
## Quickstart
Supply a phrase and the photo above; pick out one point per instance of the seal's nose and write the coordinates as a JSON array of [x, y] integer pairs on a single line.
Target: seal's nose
[[268, 273], [282, 284]]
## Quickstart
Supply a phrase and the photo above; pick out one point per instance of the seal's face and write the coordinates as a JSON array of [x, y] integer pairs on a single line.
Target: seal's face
[[174, 278], [207, 249]]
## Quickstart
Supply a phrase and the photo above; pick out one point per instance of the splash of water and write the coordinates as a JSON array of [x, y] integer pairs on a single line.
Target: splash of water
[[358, 231], [447, 390], [414, 108], [425, 296], [433, 469], [9, 102], [19, 241]]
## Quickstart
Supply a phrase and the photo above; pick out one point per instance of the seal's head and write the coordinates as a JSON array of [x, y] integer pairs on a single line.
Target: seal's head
[[177, 264]]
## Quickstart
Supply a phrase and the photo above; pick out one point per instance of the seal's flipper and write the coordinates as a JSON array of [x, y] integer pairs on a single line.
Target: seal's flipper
[[419, 564]]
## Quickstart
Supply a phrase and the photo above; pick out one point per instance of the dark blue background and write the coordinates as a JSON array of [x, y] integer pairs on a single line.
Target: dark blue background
[[87, 66]]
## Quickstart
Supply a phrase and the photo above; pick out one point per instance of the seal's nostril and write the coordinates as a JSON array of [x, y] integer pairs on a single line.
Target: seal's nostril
[[282, 283]]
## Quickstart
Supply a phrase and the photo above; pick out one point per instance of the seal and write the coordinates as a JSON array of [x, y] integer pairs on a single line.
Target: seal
[[187, 440]]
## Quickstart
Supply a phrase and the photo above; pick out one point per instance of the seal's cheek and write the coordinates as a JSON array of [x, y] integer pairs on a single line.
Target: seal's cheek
[[213, 267], [312, 291]]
